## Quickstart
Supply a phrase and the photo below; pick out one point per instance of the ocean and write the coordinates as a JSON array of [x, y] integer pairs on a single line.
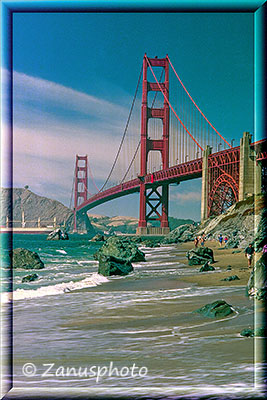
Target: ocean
[[74, 328]]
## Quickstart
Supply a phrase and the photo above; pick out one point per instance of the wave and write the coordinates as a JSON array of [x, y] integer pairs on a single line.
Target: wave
[[52, 290], [61, 251]]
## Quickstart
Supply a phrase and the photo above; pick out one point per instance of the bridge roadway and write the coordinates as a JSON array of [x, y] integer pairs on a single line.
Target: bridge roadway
[[178, 173]]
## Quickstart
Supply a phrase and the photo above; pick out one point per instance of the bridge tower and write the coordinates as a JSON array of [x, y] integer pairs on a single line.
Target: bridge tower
[[80, 184], [153, 202]]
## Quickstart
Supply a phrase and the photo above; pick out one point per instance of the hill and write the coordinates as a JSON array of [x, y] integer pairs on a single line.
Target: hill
[[125, 224], [34, 206]]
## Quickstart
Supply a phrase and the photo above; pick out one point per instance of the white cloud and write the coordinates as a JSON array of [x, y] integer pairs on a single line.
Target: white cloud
[[186, 197], [31, 89], [53, 123]]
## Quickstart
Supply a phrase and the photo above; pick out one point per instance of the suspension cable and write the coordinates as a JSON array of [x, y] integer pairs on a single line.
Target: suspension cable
[[197, 105], [92, 177], [165, 97], [124, 134]]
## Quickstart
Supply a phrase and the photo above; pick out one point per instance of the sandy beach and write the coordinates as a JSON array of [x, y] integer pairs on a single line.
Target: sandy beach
[[223, 258]]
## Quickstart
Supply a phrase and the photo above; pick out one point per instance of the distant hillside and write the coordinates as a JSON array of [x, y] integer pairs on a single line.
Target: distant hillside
[[126, 224], [35, 207]]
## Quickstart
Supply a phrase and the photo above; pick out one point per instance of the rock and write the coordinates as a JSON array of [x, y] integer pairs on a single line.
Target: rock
[[218, 308], [228, 268], [26, 259], [150, 243], [236, 251], [258, 332], [110, 265], [231, 278], [200, 256], [257, 283], [247, 332], [182, 233], [232, 244], [206, 267], [122, 248], [98, 238], [261, 234], [58, 234], [29, 278]]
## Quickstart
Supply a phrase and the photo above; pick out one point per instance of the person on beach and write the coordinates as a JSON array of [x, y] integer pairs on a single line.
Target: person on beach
[[220, 239], [196, 242], [203, 238], [264, 249], [249, 252], [225, 239]]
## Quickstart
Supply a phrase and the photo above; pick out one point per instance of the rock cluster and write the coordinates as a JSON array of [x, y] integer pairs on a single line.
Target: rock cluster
[[26, 259], [29, 278], [116, 255], [182, 233], [200, 256], [58, 234], [238, 223]]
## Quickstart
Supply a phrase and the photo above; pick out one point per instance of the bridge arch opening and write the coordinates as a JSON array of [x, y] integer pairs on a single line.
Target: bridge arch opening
[[154, 130], [154, 161]]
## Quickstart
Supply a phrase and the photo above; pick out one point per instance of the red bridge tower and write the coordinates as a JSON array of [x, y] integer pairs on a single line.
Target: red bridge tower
[[154, 202], [81, 184]]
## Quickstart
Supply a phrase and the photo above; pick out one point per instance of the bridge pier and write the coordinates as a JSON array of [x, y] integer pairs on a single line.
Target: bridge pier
[[205, 188], [249, 171]]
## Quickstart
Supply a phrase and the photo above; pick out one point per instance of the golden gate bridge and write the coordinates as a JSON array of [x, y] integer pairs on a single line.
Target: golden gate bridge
[[173, 142]]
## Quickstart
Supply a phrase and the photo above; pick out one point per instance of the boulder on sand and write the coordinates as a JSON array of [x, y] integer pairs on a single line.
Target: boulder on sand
[[110, 265], [200, 256], [26, 259], [257, 283], [262, 332], [231, 278], [29, 278], [218, 308], [122, 248], [182, 233], [206, 267]]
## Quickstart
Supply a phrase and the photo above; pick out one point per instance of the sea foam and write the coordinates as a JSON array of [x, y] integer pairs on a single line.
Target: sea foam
[[52, 290]]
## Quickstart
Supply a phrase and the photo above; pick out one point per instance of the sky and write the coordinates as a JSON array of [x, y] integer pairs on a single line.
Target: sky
[[75, 75]]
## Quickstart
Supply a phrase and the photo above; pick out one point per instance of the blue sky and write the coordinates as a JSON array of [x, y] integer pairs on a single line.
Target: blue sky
[[75, 76]]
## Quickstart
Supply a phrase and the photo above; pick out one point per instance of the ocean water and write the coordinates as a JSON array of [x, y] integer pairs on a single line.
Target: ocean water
[[75, 328]]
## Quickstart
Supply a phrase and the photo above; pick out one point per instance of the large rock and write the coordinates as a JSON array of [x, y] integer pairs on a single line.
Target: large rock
[[98, 238], [261, 234], [257, 283], [218, 308], [58, 234], [110, 265], [182, 233], [259, 332], [26, 259], [200, 256], [150, 243], [29, 278], [122, 248], [231, 278], [206, 267]]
